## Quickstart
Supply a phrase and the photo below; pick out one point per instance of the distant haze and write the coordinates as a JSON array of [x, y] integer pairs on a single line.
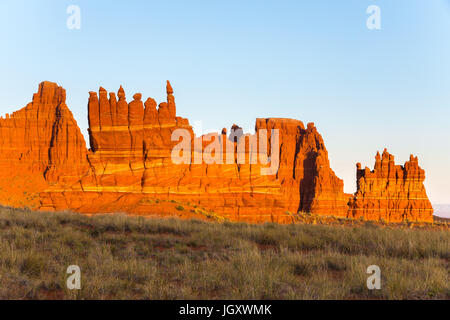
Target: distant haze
[[442, 210]]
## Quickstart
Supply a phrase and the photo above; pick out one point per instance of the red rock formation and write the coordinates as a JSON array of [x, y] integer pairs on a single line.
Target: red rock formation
[[40, 145], [131, 156], [307, 182], [129, 163], [391, 192]]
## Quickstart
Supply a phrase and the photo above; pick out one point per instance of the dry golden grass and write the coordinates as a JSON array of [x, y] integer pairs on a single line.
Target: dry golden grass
[[124, 257]]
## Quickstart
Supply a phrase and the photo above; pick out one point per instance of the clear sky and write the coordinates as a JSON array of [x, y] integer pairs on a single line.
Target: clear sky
[[233, 61]]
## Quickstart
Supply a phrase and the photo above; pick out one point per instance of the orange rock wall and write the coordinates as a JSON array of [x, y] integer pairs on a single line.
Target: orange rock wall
[[129, 166], [391, 192], [37, 144], [130, 160]]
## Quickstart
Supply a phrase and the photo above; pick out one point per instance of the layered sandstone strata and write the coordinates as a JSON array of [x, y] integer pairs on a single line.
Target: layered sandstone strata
[[391, 192], [40, 145], [131, 142], [307, 182], [131, 158], [131, 164]]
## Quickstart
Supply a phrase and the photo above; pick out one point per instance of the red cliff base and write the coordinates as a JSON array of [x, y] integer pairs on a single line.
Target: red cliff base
[[45, 165]]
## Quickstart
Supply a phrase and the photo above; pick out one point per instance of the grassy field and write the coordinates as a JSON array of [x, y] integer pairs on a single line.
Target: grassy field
[[125, 257]]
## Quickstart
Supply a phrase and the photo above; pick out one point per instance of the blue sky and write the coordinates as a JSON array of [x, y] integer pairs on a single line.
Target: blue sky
[[233, 61]]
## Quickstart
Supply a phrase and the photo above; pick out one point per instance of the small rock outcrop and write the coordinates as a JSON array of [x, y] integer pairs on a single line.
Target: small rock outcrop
[[391, 192]]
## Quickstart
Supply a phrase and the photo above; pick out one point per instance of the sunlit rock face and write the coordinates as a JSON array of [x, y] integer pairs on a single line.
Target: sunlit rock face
[[40, 146], [281, 169], [391, 192]]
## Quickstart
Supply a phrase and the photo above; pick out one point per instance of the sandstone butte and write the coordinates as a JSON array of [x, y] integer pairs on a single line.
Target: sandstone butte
[[45, 165]]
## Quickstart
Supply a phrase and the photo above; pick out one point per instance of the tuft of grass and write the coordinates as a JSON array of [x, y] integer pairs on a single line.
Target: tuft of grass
[[32, 265], [301, 269]]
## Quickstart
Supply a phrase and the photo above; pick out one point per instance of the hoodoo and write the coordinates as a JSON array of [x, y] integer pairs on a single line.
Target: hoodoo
[[391, 192], [46, 165]]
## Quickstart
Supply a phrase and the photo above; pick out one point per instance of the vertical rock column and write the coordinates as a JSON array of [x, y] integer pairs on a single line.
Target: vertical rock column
[[116, 135], [161, 175]]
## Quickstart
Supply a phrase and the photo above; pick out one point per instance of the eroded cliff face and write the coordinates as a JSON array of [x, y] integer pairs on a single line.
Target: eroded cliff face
[[130, 166], [131, 142], [391, 192], [130, 161], [307, 182], [40, 145]]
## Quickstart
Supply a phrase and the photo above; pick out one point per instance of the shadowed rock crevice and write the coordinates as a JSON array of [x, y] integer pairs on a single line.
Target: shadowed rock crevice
[[307, 183]]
